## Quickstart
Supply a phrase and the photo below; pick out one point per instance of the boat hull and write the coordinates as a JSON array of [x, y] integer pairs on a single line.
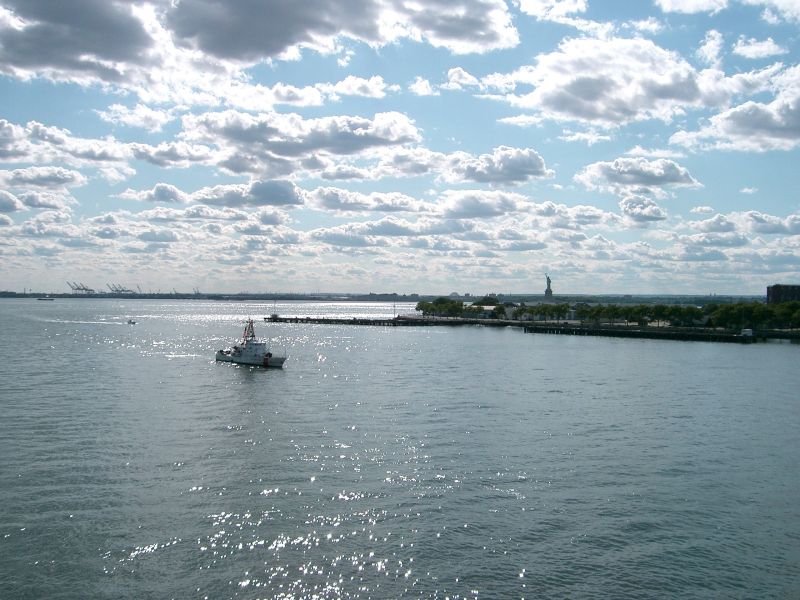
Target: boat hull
[[275, 362]]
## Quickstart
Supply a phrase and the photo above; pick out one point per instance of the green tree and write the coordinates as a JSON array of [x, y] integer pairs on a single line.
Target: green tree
[[795, 320], [612, 312], [636, 313], [441, 307], [583, 312], [691, 314], [660, 313], [426, 308], [561, 311], [763, 316]]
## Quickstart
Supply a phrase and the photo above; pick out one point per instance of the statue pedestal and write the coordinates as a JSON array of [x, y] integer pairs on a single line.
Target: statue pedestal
[[548, 294]]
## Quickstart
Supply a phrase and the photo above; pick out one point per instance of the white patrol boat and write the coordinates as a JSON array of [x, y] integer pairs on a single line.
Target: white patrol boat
[[251, 351]]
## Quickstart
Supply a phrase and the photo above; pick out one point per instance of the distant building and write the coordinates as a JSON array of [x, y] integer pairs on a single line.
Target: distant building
[[782, 293]]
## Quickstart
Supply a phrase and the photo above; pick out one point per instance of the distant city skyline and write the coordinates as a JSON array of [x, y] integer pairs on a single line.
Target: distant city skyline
[[621, 147]]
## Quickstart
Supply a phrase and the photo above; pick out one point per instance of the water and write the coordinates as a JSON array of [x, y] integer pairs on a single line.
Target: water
[[387, 462]]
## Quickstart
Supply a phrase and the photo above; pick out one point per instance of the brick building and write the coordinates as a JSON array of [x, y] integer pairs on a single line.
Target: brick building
[[782, 293]]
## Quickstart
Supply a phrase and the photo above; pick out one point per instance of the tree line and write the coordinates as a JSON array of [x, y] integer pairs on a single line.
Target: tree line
[[445, 307], [741, 315]]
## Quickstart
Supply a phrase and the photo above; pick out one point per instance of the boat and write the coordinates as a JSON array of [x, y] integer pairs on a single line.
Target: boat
[[131, 322], [251, 351], [46, 299]]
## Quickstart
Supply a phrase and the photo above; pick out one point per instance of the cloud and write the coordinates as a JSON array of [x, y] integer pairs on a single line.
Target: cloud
[[251, 31], [374, 87], [654, 152], [197, 52], [762, 223], [475, 204], [346, 201], [342, 236], [693, 254], [422, 87], [753, 48], [9, 202], [392, 232], [158, 236], [458, 78], [753, 126], [641, 210], [613, 82], [715, 239], [255, 193], [505, 166], [550, 9], [692, 6], [46, 199], [344, 171], [91, 38], [139, 116], [39, 144], [198, 212], [172, 154], [44, 177], [552, 216], [649, 25], [590, 137], [12, 140], [161, 192], [710, 51], [718, 223], [635, 175], [701, 210], [561, 11], [276, 143], [61, 144], [773, 9], [748, 190]]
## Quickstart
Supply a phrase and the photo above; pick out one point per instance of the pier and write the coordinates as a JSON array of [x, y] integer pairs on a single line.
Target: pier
[[391, 321], [560, 328], [384, 322], [623, 331]]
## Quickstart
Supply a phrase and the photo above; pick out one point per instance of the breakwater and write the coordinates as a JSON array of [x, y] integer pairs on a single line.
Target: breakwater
[[392, 321], [620, 331]]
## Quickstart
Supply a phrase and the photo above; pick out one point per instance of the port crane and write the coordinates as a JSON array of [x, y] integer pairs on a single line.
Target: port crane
[[119, 289], [81, 288]]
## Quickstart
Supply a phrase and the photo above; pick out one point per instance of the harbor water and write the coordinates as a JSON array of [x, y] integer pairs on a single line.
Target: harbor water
[[387, 462]]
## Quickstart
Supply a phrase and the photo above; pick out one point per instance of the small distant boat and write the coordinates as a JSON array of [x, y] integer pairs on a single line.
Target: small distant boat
[[251, 351], [131, 322], [46, 298]]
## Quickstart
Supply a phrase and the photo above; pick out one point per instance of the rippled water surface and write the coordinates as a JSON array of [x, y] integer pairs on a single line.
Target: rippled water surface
[[387, 462]]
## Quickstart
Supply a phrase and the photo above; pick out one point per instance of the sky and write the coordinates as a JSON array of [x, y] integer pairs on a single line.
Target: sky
[[408, 146]]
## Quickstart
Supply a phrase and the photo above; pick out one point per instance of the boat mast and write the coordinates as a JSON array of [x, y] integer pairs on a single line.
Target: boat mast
[[249, 332]]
